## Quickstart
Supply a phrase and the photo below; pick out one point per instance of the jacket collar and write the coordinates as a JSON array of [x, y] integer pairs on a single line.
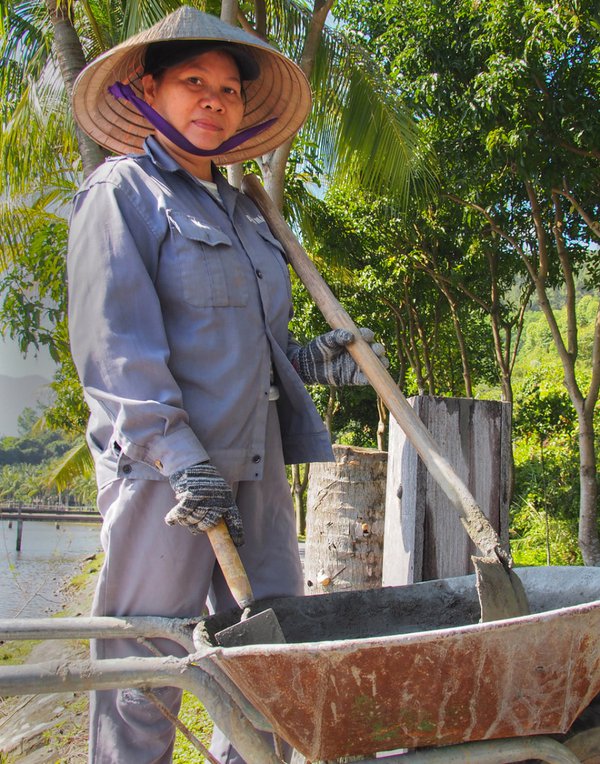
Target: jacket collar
[[164, 161]]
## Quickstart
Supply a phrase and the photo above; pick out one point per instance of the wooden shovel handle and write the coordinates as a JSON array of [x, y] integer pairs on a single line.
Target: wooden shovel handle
[[231, 564], [475, 522]]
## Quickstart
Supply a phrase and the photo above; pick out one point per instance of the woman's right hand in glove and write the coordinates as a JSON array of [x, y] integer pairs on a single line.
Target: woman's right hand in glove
[[203, 498]]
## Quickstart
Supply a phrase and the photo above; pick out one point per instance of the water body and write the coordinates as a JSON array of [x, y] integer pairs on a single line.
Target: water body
[[30, 580]]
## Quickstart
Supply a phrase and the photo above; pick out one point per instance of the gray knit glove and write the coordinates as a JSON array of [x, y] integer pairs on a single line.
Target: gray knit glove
[[326, 361], [203, 499]]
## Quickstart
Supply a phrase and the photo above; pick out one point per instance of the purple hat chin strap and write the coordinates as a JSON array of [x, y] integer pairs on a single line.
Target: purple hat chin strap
[[120, 90]]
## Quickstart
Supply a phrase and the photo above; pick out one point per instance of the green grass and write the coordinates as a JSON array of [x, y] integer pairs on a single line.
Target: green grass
[[90, 568], [69, 735], [15, 652], [195, 718]]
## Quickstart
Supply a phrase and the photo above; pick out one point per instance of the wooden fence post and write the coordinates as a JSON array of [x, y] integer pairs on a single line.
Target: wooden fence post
[[424, 538], [19, 528]]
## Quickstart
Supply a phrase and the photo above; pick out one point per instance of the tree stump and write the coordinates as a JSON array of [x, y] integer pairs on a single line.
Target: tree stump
[[345, 520], [424, 538]]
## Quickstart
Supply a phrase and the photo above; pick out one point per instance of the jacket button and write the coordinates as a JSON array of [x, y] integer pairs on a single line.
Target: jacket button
[[127, 469], [259, 274], [256, 458]]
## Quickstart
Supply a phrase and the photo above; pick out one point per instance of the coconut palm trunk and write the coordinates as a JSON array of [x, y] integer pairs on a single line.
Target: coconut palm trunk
[[71, 60]]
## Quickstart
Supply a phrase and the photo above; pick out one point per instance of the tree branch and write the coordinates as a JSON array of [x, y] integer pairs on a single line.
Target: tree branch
[[567, 270], [321, 9], [540, 231], [501, 232], [409, 348], [459, 285], [520, 322], [539, 282], [260, 18], [593, 225], [580, 152]]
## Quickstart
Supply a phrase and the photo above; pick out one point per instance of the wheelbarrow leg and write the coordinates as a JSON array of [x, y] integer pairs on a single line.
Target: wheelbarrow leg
[[505, 751]]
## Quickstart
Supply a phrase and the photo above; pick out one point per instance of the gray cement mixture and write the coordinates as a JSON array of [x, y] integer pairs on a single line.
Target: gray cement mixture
[[426, 606]]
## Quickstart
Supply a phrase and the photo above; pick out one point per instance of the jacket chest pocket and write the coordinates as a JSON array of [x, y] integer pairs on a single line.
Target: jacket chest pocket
[[210, 270]]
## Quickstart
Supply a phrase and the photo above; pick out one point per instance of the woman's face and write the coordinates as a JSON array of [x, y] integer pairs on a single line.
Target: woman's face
[[202, 98]]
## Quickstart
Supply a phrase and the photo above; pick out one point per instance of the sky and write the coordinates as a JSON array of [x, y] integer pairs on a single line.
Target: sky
[[12, 363]]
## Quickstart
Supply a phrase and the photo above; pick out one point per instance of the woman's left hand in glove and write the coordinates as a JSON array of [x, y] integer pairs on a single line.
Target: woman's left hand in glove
[[326, 360]]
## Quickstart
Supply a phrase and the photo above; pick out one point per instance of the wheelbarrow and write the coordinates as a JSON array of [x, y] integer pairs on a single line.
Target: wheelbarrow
[[370, 672], [411, 668]]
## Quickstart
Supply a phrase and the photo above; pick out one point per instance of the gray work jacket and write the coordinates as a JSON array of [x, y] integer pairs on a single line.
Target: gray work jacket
[[178, 308]]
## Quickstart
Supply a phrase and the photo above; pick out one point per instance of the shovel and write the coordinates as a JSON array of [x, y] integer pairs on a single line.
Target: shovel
[[500, 590], [259, 629]]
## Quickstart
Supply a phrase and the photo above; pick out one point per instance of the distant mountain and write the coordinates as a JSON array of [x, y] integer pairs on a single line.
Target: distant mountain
[[16, 394]]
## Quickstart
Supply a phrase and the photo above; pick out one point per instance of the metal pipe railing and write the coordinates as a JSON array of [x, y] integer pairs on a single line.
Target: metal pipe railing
[[197, 673]]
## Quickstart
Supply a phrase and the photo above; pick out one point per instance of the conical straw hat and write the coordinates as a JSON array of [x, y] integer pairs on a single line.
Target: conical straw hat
[[281, 90]]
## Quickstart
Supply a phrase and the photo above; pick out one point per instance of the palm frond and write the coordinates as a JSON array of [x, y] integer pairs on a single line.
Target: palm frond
[[38, 149], [75, 463], [365, 136], [22, 221], [300, 210], [27, 35], [141, 15], [288, 23], [377, 145]]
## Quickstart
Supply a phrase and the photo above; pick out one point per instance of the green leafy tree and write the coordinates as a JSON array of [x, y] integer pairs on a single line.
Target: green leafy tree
[[508, 93], [383, 265], [545, 508], [28, 461]]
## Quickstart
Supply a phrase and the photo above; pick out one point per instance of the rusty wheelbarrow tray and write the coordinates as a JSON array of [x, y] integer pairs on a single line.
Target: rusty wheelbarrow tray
[[410, 667]]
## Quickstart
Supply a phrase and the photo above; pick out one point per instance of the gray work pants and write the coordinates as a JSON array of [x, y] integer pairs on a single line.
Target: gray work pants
[[153, 569]]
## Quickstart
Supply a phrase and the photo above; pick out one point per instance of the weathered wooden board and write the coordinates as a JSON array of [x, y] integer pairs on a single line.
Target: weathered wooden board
[[423, 537]]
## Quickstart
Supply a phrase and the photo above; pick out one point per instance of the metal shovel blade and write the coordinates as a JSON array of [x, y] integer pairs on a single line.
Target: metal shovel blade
[[501, 593], [260, 629]]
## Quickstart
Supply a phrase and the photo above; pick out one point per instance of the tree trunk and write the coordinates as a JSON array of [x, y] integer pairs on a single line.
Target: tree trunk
[[588, 490], [344, 524], [381, 424], [299, 484], [458, 333], [229, 12], [71, 61]]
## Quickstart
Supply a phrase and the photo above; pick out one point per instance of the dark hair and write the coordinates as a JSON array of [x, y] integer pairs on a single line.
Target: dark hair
[[162, 55]]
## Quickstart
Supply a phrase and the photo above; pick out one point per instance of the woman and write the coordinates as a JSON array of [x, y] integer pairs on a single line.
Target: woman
[[179, 307]]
